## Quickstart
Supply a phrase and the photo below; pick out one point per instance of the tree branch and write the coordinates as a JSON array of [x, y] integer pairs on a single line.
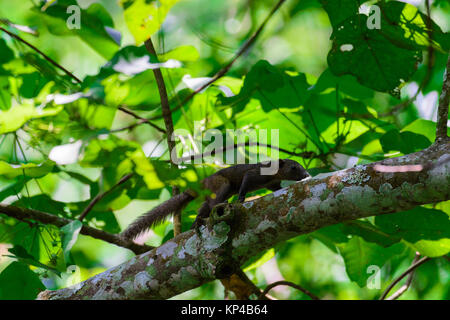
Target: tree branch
[[142, 120], [167, 115], [101, 195], [244, 230], [290, 284], [42, 54], [404, 274], [24, 214], [444, 100], [409, 280]]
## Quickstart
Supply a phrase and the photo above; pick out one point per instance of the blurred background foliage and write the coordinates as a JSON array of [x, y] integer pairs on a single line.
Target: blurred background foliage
[[63, 141]]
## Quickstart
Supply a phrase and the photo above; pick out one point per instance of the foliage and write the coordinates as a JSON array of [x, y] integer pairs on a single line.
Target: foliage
[[63, 142]]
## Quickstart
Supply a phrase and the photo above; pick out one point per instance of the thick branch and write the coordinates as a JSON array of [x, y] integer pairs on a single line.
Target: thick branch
[[244, 230]]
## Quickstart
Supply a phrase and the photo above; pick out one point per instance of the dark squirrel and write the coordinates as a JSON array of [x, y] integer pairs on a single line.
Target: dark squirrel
[[238, 179]]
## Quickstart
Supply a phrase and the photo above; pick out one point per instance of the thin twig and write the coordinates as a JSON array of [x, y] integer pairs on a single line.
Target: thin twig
[[228, 66], [142, 120], [24, 214], [404, 274], [304, 154], [406, 286], [101, 195], [290, 284], [42, 54]]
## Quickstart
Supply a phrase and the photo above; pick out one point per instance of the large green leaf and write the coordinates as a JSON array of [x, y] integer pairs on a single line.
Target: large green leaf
[[340, 10], [18, 282], [368, 55], [427, 230], [405, 142], [32, 170], [32, 84], [274, 88], [92, 30], [360, 255], [405, 26]]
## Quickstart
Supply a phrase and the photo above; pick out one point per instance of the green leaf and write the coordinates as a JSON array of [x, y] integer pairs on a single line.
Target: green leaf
[[339, 11], [272, 87], [405, 142], [423, 127], [405, 26], [32, 170], [359, 255], [32, 84], [427, 230], [144, 17], [69, 235], [92, 25], [7, 53], [259, 260], [17, 116], [18, 282], [146, 169], [22, 255], [181, 53], [386, 66], [5, 94], [347, 84], [369, 232]]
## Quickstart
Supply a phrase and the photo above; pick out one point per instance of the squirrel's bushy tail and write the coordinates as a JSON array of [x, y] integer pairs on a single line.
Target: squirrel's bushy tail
[[157, 215]]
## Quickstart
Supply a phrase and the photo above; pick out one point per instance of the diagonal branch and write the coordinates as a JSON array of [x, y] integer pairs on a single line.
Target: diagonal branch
[[24, 214], [142, 120], [101, 195], [409, 280], [404, 274], [42, 54]]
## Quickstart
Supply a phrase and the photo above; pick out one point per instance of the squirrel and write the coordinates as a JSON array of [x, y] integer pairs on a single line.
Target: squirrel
[[238, 179]]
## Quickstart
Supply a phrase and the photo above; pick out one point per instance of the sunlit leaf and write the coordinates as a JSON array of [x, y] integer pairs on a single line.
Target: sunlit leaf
[[144, 17], [17, 116]]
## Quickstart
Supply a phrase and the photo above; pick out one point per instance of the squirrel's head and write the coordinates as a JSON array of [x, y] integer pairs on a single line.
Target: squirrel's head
[[291, 170]]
